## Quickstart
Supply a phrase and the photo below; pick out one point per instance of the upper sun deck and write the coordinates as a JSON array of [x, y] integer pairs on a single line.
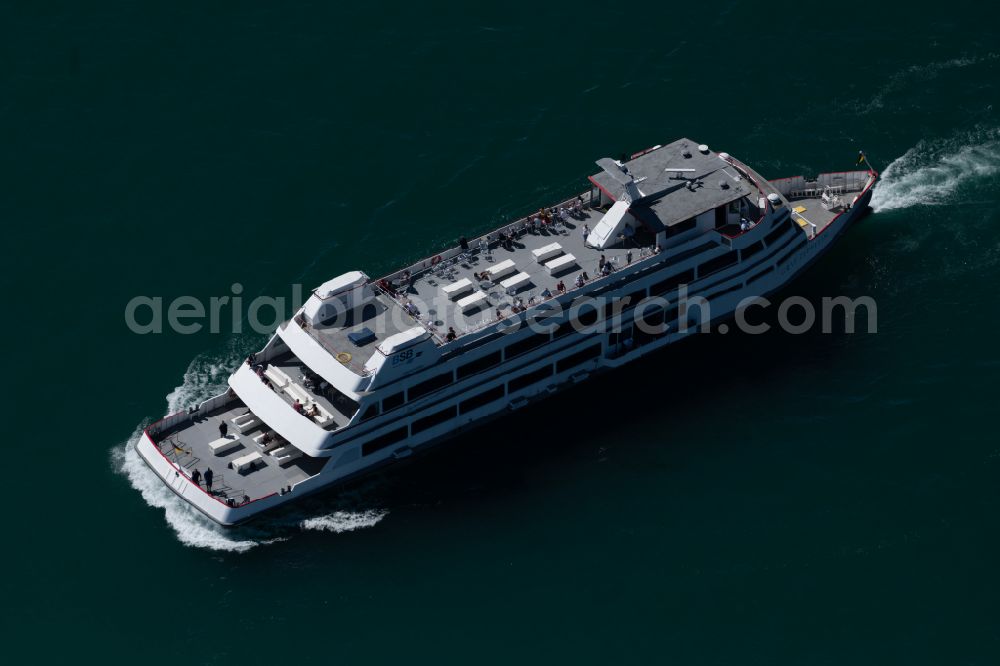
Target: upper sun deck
[[453, 293], [345, 337], [467, 288]]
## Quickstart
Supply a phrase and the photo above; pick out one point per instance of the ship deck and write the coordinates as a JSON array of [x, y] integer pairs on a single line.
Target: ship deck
[[334, 403], [187, 446], [811, 215], [417, 296], [437, 311], [382, 316]]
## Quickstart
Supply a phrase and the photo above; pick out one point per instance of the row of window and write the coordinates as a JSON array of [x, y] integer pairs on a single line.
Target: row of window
[[656, 319], [480, 400], [587, 315]]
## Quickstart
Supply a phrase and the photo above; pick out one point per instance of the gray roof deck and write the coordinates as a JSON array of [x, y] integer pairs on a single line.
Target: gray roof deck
[[671, 197], [382, 316], [668, 200], [187, 447], [814, 212], [438, 312]]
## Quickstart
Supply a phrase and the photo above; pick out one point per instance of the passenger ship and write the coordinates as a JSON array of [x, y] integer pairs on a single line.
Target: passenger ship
[[369, 371]]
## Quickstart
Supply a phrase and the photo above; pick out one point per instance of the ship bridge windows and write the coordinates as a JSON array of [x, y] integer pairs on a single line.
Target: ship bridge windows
[[681, 227], [749, 209], [721, 217]]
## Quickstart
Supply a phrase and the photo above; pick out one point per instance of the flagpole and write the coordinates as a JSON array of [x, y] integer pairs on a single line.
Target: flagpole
[[863, 157]]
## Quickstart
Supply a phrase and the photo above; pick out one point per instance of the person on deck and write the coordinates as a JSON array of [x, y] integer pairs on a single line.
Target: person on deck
[[223, 429], [208, 479], [196, 477], [451, 334], [298, 407]]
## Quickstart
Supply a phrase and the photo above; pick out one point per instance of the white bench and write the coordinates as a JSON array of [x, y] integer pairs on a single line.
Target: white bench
[[472, 301], [247, 462], [223, 445], [458, 288], [277, 376], [285, 454], [503, 268], [543, 254], [298, 393], [511, 284], [323, 417], [273, 444], [246, 422], [560, 263]]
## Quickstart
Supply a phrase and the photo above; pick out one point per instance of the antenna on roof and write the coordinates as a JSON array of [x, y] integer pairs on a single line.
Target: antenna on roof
[[677, 172]]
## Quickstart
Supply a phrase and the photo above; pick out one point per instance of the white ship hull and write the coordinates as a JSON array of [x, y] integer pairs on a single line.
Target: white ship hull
[[331, 455]]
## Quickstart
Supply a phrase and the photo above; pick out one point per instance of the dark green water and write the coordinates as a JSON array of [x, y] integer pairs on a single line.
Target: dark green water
[[816, 499]]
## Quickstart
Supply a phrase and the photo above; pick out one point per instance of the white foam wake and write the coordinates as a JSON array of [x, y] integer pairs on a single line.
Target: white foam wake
[[205, 377], [936, 172], [191, 527], [344, 521]]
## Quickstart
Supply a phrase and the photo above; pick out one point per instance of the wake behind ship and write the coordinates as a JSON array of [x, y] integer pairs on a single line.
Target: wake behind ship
[[369, 371]]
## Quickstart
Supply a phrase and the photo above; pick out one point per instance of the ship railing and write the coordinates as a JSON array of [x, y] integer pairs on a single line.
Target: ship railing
[[184, 460], [839, 182], [490, 239], [222, 492], [168, 422]]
